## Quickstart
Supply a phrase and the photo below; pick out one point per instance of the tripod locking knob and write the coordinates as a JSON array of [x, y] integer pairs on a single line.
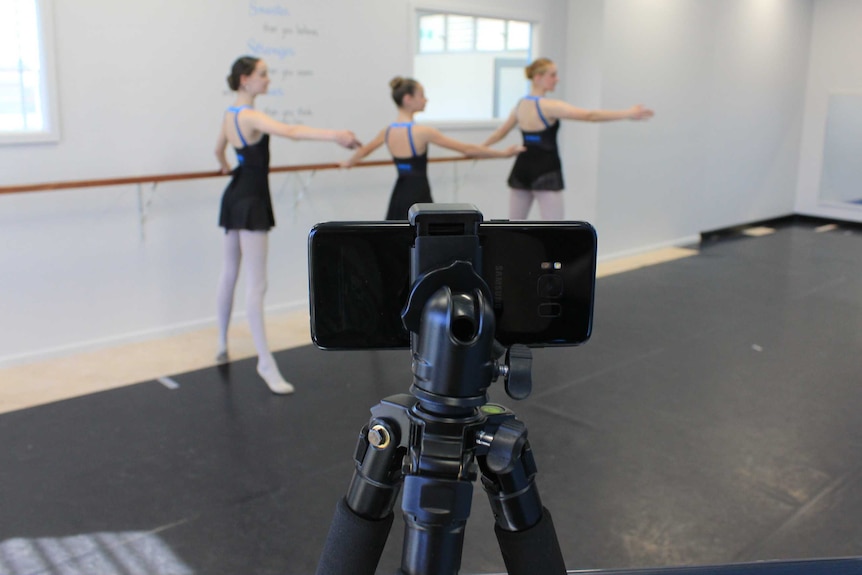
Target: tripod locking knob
[[506, 446], [519, 379]]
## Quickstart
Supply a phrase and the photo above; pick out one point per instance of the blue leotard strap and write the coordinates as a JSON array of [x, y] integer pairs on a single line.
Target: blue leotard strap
[[409, 126], [539, 109], [236, 110]]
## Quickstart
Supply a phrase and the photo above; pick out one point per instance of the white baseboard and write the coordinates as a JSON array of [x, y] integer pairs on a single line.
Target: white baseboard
[[284, 307]]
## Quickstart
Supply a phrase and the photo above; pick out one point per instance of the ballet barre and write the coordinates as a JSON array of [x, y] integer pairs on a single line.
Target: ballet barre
[[157, 179]]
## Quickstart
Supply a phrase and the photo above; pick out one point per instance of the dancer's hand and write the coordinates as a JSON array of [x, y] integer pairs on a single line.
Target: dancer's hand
[[640, 113], [347, 139], [515, 150]]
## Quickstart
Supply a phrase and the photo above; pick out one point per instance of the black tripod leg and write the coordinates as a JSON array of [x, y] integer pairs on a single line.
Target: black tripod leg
[[435, 516], [535, 551], [354, 543], [524, 528], [363, 518]]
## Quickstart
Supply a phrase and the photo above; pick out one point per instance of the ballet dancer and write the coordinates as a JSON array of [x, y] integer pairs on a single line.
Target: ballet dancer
[[408, 143], [538, 173], [246, 206]]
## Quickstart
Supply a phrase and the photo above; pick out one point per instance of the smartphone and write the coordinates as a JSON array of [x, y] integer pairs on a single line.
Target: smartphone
[[541, 276]]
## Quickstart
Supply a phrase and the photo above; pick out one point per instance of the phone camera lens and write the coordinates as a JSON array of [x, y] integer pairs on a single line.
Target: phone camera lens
[[550, 286]]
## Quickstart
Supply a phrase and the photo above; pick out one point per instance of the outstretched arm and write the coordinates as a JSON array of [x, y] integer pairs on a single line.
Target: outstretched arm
[[365, 150], [221, 146], [560, 109], [502, 131], [263, 123], [434, 136]]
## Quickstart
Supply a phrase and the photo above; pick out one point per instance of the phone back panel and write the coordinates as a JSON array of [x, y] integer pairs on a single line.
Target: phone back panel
[[542, 277]]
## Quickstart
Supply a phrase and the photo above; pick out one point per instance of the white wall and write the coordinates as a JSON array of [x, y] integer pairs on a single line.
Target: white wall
[[142, 92], [582, 83], [835, 67], [726, 80]]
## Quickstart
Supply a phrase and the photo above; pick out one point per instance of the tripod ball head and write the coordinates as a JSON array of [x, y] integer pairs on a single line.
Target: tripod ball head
[[453, 364]]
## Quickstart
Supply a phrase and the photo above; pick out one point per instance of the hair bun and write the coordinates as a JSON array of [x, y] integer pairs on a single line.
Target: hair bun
[[537, 66], [395, 82]]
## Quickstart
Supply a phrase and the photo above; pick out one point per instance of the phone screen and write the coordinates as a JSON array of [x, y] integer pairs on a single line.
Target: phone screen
[[541, 276], [359, 279]]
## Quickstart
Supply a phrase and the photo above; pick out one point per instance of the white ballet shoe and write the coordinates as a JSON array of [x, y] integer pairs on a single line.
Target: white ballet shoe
[[275, 381], [222, 357]]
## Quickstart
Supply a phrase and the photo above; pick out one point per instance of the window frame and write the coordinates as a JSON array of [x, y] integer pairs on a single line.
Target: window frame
[[419, 13], [419, 7], [48, 84]]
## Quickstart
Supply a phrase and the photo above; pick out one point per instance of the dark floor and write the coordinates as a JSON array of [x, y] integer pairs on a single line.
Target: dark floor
[[714, 417]]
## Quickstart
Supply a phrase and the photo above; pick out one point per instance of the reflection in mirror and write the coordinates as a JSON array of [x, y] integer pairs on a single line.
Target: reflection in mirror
[[841, 178]]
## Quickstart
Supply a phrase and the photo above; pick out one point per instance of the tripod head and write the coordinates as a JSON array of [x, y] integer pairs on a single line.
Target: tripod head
[[450, 316]]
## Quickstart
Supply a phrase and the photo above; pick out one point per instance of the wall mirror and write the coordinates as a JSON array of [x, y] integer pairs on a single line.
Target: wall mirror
[[841, 177]]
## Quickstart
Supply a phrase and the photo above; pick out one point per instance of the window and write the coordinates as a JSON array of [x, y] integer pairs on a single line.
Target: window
[[27, 94], [472, 67], [460, 33], [490, 34]]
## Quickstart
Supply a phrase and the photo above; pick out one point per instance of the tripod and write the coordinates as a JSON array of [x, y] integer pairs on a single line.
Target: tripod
[[433, 439]]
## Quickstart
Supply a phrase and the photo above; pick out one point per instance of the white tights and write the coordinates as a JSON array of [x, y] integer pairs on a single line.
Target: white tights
[[253, 247], [550, 204]]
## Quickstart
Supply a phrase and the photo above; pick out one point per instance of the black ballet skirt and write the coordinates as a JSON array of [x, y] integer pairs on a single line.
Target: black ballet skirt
[[539, 166], [246, 203], [412, 186]]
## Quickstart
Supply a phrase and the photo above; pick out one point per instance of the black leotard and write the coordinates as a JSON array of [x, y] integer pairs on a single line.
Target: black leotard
[[412, 186], [539, 167], [246, 203]]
